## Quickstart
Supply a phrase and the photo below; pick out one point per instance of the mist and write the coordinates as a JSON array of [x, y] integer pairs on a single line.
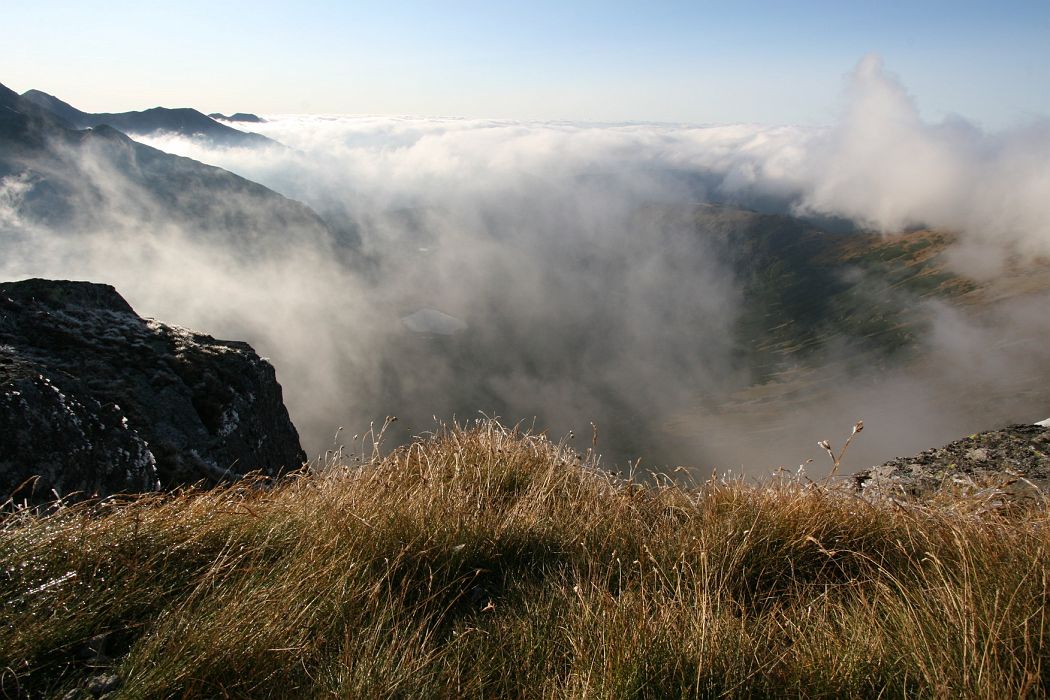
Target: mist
[[585, 295]]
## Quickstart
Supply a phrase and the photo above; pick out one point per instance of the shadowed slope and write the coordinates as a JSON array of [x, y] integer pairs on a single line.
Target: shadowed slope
[[184, 121], [99, 179]]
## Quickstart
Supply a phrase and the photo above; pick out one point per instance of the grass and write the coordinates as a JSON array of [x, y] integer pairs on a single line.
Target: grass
[[483, 562]]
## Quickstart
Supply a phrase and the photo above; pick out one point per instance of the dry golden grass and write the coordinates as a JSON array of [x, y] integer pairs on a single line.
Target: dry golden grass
[[483, 562]]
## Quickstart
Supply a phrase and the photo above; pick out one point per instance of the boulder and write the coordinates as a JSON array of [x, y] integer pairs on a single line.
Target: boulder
[[95, 400]]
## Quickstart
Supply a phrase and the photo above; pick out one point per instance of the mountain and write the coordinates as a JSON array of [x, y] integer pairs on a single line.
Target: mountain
[[23, 119], [882, 325], [238, 117], [804, 287], [184, 121], [65, 111], [98, 178]]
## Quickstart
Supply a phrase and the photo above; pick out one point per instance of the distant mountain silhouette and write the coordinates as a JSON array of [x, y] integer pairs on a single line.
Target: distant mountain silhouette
[[18, 115], [67, 112], [185, 121], [238, 117], [88, 179]]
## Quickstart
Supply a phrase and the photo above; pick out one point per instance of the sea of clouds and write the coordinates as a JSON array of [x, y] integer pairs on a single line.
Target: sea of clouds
[[576, 309]]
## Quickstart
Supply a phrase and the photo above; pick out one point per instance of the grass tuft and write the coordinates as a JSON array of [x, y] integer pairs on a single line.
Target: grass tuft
[[488, 562]]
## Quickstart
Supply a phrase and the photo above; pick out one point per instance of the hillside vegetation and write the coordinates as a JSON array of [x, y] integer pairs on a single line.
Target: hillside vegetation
[[484, 562]]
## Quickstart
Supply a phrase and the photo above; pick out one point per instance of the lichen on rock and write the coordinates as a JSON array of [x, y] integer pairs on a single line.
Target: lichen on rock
[[1009, 464], [96, 400]]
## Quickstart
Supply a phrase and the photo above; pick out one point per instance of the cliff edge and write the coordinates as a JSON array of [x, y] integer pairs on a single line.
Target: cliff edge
[[95, 400]]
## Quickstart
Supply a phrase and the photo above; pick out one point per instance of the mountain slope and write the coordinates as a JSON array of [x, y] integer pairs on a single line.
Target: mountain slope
[[98, 178], [804, 287], [65, 111], [883, 328]]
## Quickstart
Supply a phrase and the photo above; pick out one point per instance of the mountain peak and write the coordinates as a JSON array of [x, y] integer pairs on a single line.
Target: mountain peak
[[8, 97], [238, 117], [54, 105]]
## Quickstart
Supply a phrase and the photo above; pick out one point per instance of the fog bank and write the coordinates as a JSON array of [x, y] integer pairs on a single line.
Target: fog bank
[[580, 286]]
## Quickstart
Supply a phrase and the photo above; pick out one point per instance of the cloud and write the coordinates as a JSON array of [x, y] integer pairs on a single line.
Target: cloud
[[13, 189], [570, 259], [886, 168], [881, 165]]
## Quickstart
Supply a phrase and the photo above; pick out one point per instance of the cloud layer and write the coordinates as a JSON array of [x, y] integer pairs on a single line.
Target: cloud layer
[[880, 166], [585, 292]]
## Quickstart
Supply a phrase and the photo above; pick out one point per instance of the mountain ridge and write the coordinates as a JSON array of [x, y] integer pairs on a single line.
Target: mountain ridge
[[74, 176], [184, 121]]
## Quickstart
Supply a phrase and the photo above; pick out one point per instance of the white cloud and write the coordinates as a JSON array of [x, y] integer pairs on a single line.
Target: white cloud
[[576, 307], [881, 165]]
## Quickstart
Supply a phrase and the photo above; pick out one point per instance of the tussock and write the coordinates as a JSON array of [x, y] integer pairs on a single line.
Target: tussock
[[487, 562]]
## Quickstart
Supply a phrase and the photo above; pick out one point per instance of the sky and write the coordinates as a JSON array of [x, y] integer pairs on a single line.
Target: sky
[[682, 62]]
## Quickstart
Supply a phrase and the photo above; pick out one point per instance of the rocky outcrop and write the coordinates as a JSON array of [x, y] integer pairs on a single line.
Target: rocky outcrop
[[1004, 465], [96, 400]]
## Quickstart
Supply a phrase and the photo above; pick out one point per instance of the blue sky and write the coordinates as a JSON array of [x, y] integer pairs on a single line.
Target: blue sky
[[766, 62]]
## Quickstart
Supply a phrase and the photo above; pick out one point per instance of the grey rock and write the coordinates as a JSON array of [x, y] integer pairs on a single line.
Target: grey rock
[[93, 650], [978, 454], [1008, 464], [95, 400], [105, 683]]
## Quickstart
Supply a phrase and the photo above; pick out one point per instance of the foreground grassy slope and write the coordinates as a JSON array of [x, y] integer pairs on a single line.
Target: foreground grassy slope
[[486, 563]]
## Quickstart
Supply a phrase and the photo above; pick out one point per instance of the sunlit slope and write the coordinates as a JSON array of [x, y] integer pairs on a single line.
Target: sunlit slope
[[488, 563]]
